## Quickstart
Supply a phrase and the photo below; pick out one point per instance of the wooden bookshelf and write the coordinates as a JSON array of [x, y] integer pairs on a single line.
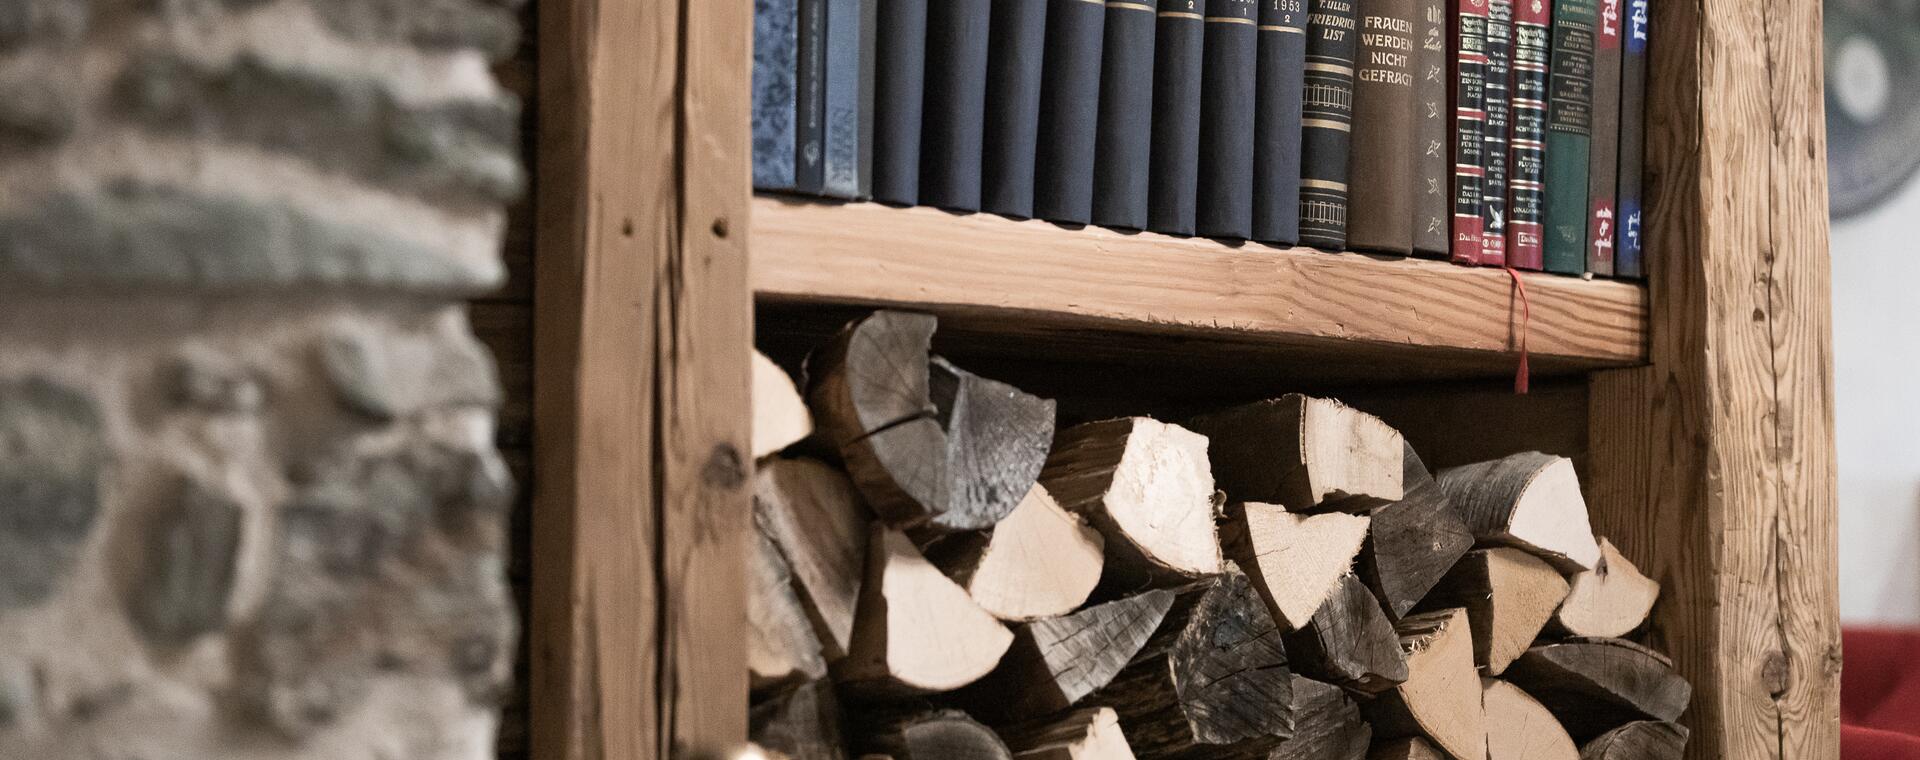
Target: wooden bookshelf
[[1129, 292]]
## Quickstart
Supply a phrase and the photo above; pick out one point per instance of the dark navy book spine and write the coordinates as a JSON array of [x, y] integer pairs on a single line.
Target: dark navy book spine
[[1224, 207], [1327, 123], [869, 47], [810, 118], [1069, 111], [842, 169], [1123, 141], [953, 134], [1017, 35], [898, 83], [1493, 187], [775, 49], [1627, 261], [1174, 171], [1276, 121]]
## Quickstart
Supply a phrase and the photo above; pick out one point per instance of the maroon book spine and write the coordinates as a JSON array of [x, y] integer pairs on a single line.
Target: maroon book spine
[[1527, 167], [1469, 117]]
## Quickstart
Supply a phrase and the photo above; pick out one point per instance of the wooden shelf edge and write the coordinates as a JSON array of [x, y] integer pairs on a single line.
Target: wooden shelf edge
[[1042, 276]]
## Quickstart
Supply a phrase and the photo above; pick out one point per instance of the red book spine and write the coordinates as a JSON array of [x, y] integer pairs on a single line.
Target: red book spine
[[1526, 229], [1469, 118]]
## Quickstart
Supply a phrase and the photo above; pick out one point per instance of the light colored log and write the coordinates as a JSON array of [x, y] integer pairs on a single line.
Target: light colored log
[[1410, 748], [1441, 699], [1531, 501], [815, 518], [780, 416], [1304, 453], [1146, 486], [1091, 734], [1520, 728], [781, 645], [916, 631], [1609, 601], [1509, 596], [1041, 561], [1296, 561]]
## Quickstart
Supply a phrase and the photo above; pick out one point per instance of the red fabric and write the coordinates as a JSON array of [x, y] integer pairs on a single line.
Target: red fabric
[[1880, 695]]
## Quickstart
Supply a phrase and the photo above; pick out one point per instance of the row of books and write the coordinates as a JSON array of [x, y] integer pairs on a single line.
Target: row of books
[[1491, 132]]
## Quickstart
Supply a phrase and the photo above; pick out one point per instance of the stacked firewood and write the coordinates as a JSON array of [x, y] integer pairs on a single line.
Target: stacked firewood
[[942, 575]]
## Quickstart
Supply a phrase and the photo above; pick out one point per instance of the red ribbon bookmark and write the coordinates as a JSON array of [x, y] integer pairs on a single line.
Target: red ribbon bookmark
[[1522, 375]]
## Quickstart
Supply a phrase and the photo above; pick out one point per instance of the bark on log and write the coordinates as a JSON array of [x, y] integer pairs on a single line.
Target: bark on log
[[930, 735], [1597, 685], [780, 416], [1609, 601], [802, 723], [1296, 561], [1639, 740], [1530, 501], [1211, 683], [1145, 486], [1509, 596], [931, 446], [1304, 453], [1090, 734], [1412, 542], [1350, 642], [1054, 663], [1326, 725], [815, 519], [1441, 699], [916, 632], [1519, 728], [1410, 748], [781, 645], [1039, 562]]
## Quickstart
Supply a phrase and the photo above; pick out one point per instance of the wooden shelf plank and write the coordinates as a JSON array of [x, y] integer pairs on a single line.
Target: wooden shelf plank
[[991, 273]]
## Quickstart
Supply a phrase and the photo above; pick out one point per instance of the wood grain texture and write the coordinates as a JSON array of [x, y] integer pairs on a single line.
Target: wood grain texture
[[1715, 466], [641, 352], [984, 266]]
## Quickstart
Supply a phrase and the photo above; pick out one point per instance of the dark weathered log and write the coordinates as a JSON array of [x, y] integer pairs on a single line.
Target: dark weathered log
[[1609, 601], [1519, 728], [932, 447], [1349, 642], [1145, 486], [802, 723], [780, 416], [1295, 560], [1326, 725], [1530, 501], [781, 645], [1090, 734], [1412, 542], [1304, 453], [1597, 685], [1211, 683], [929, 735], [815, 519], [1410, 748], [1039, 562], [1441, 698], [1639, 740], [1053, 663], [1509, 595], [916, 632]]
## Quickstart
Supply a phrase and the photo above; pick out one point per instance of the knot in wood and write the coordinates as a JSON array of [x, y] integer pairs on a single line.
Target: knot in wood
[[1775, 672], [724, 468]]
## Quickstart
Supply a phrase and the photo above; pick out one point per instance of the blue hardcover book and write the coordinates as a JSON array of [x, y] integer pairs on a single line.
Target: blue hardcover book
[[1224, 206], [776, 48], [1276, 121], [1627, 260], [1017, 40], [1123, 140], [954, 131], [810, 95], [842, 162], [899, 74], [1069, 111], [1174, 172]]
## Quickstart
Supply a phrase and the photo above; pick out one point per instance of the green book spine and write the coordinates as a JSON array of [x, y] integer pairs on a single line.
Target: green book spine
[[1569, 134]]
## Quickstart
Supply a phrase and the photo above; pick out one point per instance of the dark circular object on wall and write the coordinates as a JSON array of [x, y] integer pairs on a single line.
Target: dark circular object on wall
[[1873, 106]]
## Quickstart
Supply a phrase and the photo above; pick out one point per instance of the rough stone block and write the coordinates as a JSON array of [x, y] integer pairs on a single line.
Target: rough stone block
[[52, 449], [182, 592]]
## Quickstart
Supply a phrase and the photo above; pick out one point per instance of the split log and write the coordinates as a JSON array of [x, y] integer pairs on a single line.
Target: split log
[[1304, 453], [1509, 596], [1597, 685], [1145, 486], [916, 632], [1410, 748], [814, 518], [1091, 734], [754, 752], [1519, 728], [1639, 740], [1530, 501], [1609, 601], [1326, 725], [930, 735], [1412, 542], [1212, 682], [1041, 561], [1296, 561], [1350, 642], [1056, 662], [781, 645], [930, 445], [780, 416], [1441, 698], [802, 723]]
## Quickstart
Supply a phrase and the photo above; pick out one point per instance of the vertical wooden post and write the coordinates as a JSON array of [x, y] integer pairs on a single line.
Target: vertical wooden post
[[641, 351], [1716, 463]]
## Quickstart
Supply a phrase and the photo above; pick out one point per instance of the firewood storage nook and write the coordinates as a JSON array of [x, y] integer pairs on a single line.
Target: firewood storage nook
[[1696, 409]]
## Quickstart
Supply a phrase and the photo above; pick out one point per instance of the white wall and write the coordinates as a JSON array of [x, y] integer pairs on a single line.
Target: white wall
[[1876, 325]]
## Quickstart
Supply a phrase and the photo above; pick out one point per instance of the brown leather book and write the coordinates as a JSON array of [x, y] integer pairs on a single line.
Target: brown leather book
[[1381, 188]]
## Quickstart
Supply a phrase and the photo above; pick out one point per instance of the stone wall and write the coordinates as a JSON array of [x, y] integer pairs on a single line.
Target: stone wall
[[250, 500]]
